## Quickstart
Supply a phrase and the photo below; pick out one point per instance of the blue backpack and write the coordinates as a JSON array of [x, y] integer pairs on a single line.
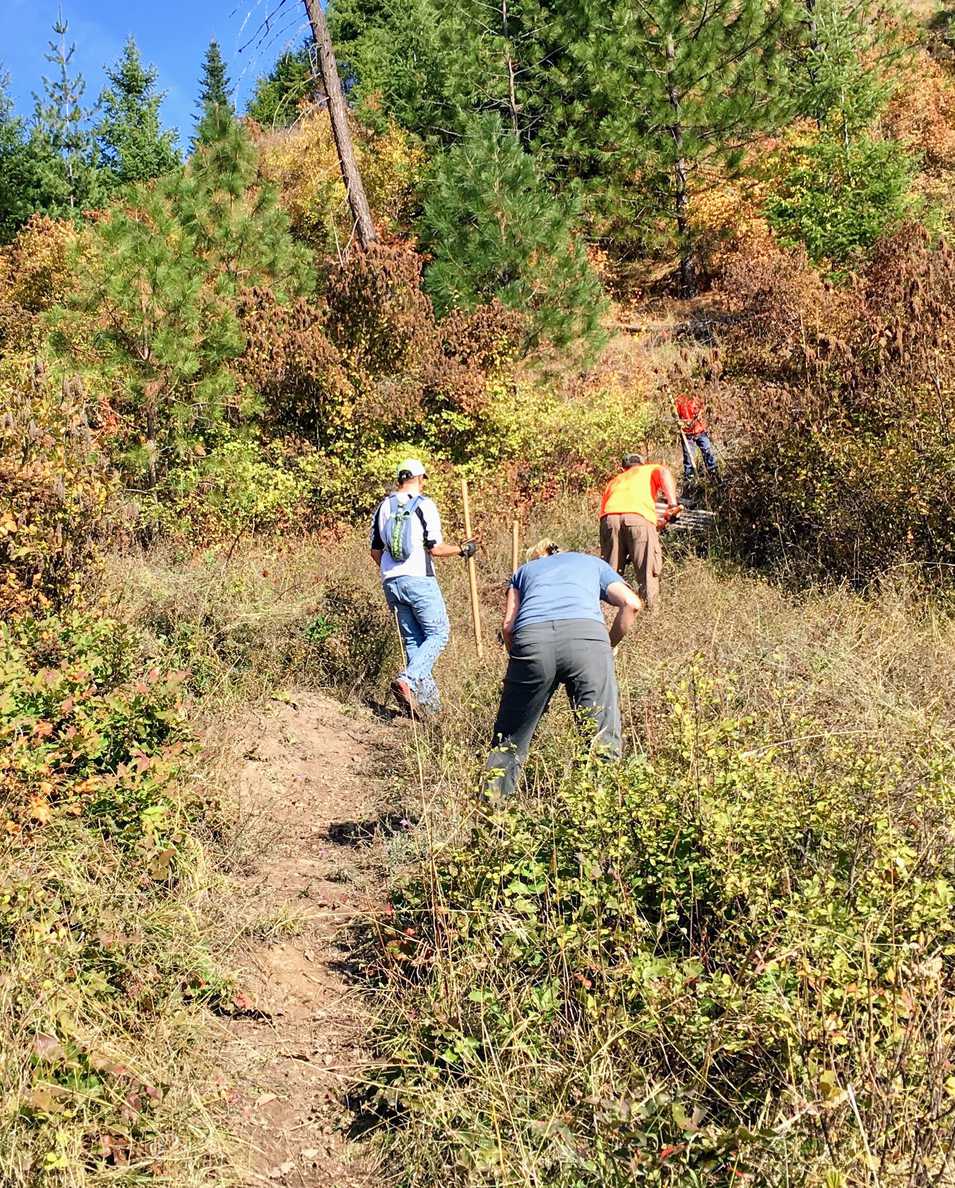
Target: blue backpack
[[397, 533]]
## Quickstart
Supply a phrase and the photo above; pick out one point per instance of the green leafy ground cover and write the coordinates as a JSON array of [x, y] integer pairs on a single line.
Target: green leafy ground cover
[[105, 932], [727, 960]]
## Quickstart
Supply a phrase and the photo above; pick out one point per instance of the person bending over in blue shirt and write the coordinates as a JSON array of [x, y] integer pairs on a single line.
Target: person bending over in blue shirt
[[555, 634]]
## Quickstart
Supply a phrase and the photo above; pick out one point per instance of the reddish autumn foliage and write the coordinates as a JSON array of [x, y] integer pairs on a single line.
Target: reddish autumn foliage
[[843, 468], [368, 360]]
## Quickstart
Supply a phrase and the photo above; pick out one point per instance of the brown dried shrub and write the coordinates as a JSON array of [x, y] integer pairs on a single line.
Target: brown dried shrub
[[368, 363], [902, 342], [921, 113], [378, 314], [299, 374], [843, 405], [35, 274], [782, 320], [54, 487]]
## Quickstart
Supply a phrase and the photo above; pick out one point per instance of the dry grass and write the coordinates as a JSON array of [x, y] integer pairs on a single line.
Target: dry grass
[[873, 671], [822, 685]]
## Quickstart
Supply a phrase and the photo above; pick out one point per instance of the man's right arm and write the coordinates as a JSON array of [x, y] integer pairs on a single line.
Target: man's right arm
[[511, 607], [621, 596], [377, 543], [669, 485]]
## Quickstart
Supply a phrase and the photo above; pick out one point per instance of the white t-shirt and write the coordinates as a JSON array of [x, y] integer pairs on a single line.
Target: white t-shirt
[[425, 526]]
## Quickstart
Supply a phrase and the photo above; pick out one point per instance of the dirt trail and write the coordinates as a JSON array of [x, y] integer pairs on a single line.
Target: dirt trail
[[308, 771]]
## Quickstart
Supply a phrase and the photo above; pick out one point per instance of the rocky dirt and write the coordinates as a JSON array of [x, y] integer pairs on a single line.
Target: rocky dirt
[[308, 773]]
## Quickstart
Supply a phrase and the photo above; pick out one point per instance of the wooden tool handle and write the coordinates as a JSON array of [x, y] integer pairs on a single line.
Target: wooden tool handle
[[472, 573]]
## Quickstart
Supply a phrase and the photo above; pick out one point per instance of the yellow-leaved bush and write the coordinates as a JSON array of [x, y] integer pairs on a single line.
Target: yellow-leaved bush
[[303, 162]]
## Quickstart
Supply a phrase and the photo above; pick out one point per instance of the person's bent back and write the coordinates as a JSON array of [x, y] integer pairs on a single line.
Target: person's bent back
[[555, 634]]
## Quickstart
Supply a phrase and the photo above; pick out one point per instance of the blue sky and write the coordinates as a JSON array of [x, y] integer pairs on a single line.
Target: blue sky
[[172, 35]]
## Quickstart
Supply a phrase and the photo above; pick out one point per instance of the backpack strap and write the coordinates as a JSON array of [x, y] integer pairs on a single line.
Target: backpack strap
[[416, 508]]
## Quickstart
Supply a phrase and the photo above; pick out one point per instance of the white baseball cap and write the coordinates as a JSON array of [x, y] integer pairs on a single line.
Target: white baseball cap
[[414, 467]]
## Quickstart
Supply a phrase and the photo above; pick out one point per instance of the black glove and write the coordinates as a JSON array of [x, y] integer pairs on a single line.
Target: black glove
[[468, 549]]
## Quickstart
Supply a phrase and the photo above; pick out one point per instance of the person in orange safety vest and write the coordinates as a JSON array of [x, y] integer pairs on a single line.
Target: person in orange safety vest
[[628, 522]]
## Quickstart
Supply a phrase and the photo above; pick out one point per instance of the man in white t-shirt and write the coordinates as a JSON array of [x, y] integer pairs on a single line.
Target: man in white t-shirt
[[405, 539]]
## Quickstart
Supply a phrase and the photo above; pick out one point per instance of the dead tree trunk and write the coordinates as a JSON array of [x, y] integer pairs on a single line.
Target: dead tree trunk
[[687, 281], [511, 83], [338, 114]]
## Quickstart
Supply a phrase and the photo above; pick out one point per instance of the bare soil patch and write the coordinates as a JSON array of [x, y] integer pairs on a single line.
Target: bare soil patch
[[308, 770]]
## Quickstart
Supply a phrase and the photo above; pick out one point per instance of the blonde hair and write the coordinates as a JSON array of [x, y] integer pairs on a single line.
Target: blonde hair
[[543, 548]]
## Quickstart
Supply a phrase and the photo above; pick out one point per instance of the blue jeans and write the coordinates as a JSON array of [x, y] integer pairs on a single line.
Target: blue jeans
[[705, 446], [425, 631]]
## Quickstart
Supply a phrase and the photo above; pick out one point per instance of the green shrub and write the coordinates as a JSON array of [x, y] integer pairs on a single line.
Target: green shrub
[[103, 933], [235, 489], [839, 199], [83, 733], [725, 959]]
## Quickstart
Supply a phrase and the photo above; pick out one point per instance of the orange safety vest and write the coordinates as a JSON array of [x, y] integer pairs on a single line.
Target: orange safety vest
[[633, 492]]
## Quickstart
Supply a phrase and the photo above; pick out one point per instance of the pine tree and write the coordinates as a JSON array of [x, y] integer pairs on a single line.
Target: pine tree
[[846, 185], [214, 84], [61, 142], [432, 64], [839, 198], [16, 176], [132, 146], [684, 86], [494, 231], [161, 285], [278, 94], [637, 102], [238, 225], [842, 72]]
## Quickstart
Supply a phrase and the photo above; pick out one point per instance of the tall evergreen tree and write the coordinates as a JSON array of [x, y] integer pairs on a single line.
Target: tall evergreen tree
[[16, 176], [162, 286], [636, 101], [431, 64], [279, 94], [214, 85], [494, 231], [683, 85], [61, 142], [131, 143]]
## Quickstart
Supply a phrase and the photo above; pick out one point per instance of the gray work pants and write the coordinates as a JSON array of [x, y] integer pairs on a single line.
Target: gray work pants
[[574, 653]]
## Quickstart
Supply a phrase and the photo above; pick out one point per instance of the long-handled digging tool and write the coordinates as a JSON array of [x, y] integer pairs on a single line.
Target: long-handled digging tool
[[515, 546], [472, 573]]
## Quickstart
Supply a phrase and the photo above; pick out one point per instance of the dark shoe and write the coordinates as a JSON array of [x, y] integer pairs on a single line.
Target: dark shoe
[[405, 697]]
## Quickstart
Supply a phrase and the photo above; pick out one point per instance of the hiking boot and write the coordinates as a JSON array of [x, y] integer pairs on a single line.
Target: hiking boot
[[405, 697]]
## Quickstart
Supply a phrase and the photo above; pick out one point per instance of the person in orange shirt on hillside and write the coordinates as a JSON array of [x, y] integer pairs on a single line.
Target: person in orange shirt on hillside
[[628, 522], [694, 432]]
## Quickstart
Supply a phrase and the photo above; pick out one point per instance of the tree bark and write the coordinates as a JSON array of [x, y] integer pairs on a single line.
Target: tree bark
[[338, 114], [511, 84], [687, 281]]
